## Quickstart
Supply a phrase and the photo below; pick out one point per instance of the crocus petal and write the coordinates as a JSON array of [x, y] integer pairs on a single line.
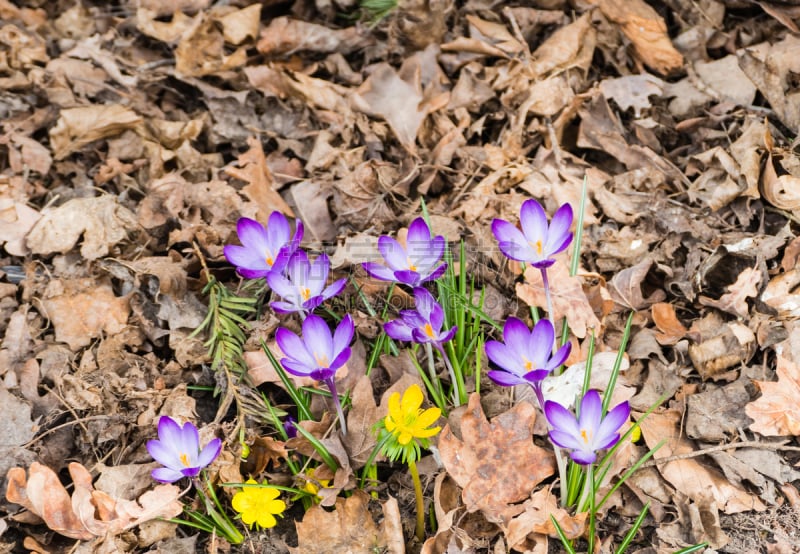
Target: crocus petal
[[583, 457], [322, 374], [297, 368], [449, 334], [278, 231], [246, 259], [319, 273], [343, 334], [298, 269], [280, 285], [293, 347], [190, 471], [419, 336], [533, 221], [559, 230], [398, 330], [285, 307], [189, 441], [408, 277], [504, 378], [209, 453], [317, 338], [562, 419], [504, 357], [608, 432], [565, 440], [559, 357], [418, 232], [334, 288], [511, 241], [253, 235], [393, 252], [424, 303], [340, 359], [163, 454], [591, 411], [536, 376], [378, 271], [516, 335], [540, 345], [425, 255], [166, 475], [438, 272]]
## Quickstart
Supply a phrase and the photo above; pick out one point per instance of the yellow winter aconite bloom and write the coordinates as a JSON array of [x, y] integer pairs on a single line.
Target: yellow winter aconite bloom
[[258, 505], [407, 420], [313, 484]]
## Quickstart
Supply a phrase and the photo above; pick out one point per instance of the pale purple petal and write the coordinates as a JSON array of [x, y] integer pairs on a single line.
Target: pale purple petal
[[252, 235], [317, 338], [166, 475], [293, 347], [408, 277], [511, 241], [540, 345], [533, 221], [340, 359], [285, 307], [516, 335], [209, 453], [297, 368], [418, 232], [424, 303], [247, 260], [558, 235], [448, 335], [378, 271], [164, 454], [435, 274], [280, 285], [278, 231], [343, 334], [298, 269], [565, 440], [559, 357], [425, 255], [393, 252], [583, 457], [562, 419], [504, 378], [318, 275], [334, 288], [608, 432], [398, 330], [591, 411], [503, 357], [419, 336]]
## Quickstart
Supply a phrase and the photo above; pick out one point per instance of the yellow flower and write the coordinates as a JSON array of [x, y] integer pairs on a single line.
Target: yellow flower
[[258, 505], [313, 484], [406, 419]]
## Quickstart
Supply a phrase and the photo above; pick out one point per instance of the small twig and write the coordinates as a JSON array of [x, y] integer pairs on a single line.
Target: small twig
[[723, 447]]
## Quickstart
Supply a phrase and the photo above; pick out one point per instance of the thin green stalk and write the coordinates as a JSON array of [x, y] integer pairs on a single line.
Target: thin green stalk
[[339, 412], [612, 380], [564, 540], [457, 377], [592, 510], [412, 467], [632, 532]]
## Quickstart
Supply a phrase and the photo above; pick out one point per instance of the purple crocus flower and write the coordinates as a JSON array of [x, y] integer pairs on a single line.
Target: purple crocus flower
[[423, 324], [178, 450], [527, 356], [263, 250], [318, 354], [537, 242], [302, 285], [590, 431], [413, 264]]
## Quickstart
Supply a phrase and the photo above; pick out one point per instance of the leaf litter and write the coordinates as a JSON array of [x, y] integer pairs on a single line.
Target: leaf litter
[[136, 136]]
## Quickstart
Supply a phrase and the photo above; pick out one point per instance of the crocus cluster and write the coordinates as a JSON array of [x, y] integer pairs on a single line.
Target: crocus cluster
[[273, 253]]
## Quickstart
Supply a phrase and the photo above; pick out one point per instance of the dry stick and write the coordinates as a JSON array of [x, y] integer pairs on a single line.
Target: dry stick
[[723, 447]]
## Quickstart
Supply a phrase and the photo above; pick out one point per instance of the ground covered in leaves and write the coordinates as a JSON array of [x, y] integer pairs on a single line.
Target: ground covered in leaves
[[135, 134]]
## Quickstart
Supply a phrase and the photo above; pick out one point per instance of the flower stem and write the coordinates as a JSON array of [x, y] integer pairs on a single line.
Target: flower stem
[[412, 467], [548, 298], [453, 379], [562, 474], [432, 369], [339, 412]]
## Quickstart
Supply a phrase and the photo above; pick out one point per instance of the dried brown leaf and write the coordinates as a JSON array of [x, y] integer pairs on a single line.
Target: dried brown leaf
[[626, 287], [284, 35], [735, 300], [360, 439], [536, 520], [348, 528], [670, 329], [102, 221], [496, 464], [260, 186], [77, 127], [777, 411], [569, 300]]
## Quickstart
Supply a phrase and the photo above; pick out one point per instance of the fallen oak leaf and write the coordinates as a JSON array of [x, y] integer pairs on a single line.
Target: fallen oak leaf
[[76, 517], [735, 300], [496, 464], [777, 411]]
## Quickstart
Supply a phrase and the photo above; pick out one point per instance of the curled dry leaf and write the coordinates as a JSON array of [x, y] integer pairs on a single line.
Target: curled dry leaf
[[670, 329], [777, 411], [260, 188], [535, 520], [77, 127], [626, 287], [284, 35], [495, 463], [349, 527], [89, 513]]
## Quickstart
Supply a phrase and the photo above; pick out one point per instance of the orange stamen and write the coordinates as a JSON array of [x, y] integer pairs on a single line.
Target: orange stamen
[[184, 459], [428, 330]]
